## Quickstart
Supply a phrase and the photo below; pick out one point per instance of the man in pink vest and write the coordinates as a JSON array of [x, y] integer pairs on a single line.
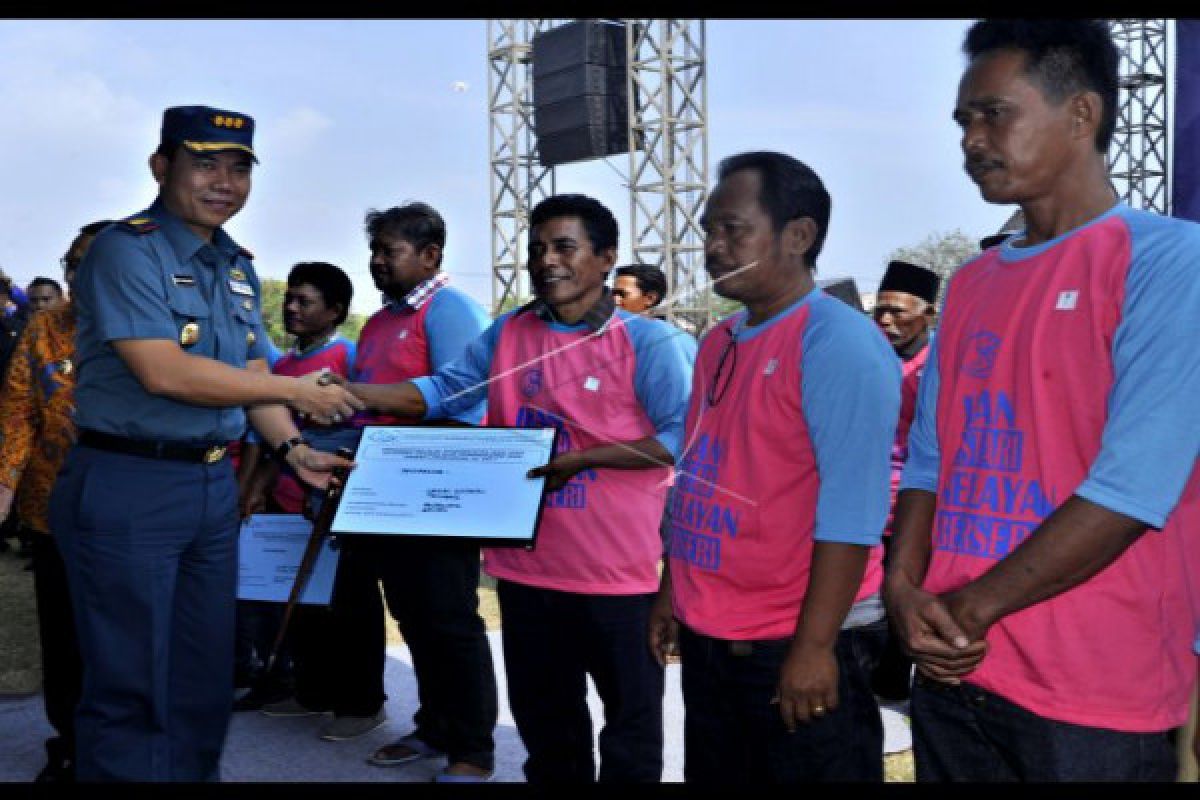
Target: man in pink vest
[[904, 311], [615, 385], [775, 518], [1040, 571]]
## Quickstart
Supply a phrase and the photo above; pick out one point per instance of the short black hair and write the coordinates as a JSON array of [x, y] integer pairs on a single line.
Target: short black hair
[[1064, 56], [331, 281], [649, 279], [790, 190], [43, 281], [599, 222], [419, 224]]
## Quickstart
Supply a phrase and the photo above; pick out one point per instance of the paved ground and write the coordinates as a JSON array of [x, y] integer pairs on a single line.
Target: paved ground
[[261, 748]]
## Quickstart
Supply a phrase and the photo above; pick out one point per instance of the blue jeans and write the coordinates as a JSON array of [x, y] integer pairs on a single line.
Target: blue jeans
[[552, 642], [733, 733], [965, 733]]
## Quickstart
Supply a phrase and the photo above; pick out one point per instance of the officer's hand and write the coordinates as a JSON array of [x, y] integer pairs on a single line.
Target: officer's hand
[[808, 684], [559, 470], [662, 631], [6, 501], [313, 466], [324, 402], [930, 634]]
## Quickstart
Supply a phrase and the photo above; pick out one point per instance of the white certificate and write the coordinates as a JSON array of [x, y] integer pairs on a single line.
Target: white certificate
[[458, 482], [269, 552]]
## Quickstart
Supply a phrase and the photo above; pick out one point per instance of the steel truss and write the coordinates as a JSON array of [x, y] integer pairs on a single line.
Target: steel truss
[[1138, 156]]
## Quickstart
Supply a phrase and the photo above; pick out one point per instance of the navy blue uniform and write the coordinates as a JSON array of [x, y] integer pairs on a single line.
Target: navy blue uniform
[[150, 544]]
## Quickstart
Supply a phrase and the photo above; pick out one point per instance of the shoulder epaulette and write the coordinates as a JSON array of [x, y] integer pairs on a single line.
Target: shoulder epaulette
[[244, 252], [139, 225]]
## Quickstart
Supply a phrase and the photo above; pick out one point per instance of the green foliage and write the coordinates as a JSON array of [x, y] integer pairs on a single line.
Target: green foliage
[[272, 310], [943, 253]]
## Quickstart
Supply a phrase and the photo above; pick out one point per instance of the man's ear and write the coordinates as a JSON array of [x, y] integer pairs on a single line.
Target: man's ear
[[1086, 111], [158, 167], [799, 235], [431, 257]]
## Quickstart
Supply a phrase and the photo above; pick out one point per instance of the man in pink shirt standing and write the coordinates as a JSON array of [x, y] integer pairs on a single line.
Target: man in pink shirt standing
[[615, 385], [1039, 575], [905, 311], [772, 584]]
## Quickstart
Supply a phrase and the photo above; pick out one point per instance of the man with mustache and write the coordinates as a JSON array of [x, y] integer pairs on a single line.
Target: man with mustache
[[904, 311], [170, 353], [615, 385], [772, 587], [1046, 520]]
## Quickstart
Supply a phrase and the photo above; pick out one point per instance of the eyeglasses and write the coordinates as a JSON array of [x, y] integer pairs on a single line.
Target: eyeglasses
[[722, 377]]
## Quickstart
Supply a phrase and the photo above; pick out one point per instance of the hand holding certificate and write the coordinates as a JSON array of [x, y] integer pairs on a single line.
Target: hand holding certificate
[[466, 483]]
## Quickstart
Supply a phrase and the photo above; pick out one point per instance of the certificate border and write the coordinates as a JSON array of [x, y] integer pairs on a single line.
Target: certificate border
[[483, 541]]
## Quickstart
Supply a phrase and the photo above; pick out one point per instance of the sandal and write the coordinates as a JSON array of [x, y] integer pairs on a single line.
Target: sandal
[[404, 750]]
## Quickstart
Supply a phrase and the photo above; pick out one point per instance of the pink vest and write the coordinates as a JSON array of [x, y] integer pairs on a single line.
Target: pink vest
[[391, 348], [1025, 368], [599, 533], [744, 507]]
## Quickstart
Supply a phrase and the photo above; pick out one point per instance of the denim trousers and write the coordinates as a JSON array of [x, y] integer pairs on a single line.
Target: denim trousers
[[734, 734], [552, 642], [965, 733]]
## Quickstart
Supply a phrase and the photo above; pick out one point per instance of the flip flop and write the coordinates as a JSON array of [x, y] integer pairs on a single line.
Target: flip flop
[[415, 747]]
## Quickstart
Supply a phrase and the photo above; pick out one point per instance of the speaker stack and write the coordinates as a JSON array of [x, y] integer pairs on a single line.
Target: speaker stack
[[580, 92]]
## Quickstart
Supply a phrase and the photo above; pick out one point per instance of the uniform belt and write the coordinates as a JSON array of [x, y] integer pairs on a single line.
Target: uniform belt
[[200, 454]]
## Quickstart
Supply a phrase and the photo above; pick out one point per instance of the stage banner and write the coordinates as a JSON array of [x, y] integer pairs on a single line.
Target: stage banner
[[1185, 166]]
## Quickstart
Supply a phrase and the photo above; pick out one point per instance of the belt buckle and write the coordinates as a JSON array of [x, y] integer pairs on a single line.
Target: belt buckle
[[214, 454]]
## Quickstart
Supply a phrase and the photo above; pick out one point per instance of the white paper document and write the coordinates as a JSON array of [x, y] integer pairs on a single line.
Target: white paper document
[[456, 482], [269, 552]]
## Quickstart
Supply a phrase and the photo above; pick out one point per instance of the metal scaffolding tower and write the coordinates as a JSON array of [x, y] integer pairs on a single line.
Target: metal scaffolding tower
[[1139, 152], [518, 181], [668, 175]]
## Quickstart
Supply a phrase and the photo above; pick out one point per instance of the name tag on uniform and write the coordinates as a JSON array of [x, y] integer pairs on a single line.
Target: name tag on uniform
[[183, 280], [239, 287]]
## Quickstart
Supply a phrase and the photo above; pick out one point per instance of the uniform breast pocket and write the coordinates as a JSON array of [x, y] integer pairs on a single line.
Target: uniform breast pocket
[[193, 319], [246, 324]]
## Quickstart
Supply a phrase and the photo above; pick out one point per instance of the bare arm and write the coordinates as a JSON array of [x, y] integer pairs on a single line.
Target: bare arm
[[930, 633], [401, 399], [1075, 542], [641, 454], [808, 678], [164, 369]]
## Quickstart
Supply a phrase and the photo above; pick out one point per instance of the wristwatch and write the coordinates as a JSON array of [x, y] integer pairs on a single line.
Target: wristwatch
[[287, 447]]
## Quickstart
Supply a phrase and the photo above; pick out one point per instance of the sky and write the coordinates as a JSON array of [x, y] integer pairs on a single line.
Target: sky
[[360, 114]]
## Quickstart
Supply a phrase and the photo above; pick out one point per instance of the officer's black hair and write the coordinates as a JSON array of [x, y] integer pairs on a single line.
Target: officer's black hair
[[1063, 56], [789, 190], [599, 222], [331, 281], [419, 224], [41, 281], [649, 279]]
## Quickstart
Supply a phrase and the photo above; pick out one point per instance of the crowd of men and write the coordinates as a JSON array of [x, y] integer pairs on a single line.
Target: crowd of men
[[810, 509]]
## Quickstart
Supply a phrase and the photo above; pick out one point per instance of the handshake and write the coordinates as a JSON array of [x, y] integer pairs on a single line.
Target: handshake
[[323, 398]]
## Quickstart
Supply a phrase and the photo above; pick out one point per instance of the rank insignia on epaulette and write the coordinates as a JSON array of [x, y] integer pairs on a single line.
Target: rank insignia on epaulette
[[140, 224], [237, 274], [248, 305], [251, 338]]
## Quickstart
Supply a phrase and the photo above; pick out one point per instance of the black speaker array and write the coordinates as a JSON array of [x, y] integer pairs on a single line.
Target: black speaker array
[[580, 95]]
